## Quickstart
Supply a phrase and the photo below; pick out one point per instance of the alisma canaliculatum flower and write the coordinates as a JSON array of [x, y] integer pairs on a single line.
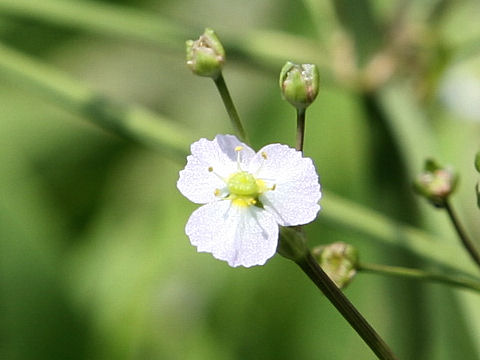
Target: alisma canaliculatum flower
[[245, 197]]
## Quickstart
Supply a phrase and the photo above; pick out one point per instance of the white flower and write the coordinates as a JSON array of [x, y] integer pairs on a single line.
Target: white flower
[[246, 197]]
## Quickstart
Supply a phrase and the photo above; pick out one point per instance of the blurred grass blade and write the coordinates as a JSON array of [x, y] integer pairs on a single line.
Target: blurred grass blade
[[96, 17], [270, 49], [267, 50], [131, 121], [414, 139], [408, 125], [322, 14], [359, 19]]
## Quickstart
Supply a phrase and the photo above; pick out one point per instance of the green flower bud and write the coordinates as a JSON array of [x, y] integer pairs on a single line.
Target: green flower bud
[[436, 183], [477, 161], [299, 84], [339, 260], [205, 56]]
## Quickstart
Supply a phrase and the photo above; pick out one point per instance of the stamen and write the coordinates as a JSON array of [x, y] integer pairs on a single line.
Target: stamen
[[238, 149], [243, 201], [217, 192], [264, 158], [273, 187], [210, 169]]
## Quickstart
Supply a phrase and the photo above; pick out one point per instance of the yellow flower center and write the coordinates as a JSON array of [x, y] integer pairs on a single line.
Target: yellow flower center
[[244, 188]]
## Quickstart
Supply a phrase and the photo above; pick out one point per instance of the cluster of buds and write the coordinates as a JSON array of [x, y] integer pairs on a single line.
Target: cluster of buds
[[299, 83], [339, 260], [436, 183]]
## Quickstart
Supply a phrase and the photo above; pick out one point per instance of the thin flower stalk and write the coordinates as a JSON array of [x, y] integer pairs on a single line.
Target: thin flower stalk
[[398, 271], [230, 107], [462, 234]]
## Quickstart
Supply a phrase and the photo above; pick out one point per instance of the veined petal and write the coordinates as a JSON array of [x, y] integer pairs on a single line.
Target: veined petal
[[228, 145], [210, 162], [294, 200], [242, 236]]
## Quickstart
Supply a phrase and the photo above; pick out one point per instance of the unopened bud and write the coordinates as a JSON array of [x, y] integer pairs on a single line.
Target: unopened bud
[[339, 260], [299, 84], [205, 56], [436, 183]]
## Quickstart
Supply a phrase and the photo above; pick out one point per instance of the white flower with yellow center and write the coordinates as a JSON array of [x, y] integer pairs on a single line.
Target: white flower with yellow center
[[247, 195]]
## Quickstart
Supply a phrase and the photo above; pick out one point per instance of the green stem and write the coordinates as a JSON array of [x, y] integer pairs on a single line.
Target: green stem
[[398, 271], [466, 241], [230, 107], [300, 128], [310, 266]]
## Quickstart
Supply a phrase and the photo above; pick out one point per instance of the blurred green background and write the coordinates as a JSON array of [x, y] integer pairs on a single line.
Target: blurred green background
[[94, 262]]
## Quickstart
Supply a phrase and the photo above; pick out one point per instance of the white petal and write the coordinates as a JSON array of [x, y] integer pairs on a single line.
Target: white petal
[[196, 181], [242, 236], [294, 201]]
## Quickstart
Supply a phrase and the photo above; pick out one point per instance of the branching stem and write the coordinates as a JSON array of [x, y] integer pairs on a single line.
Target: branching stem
[[419, 274], [310, 267]]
